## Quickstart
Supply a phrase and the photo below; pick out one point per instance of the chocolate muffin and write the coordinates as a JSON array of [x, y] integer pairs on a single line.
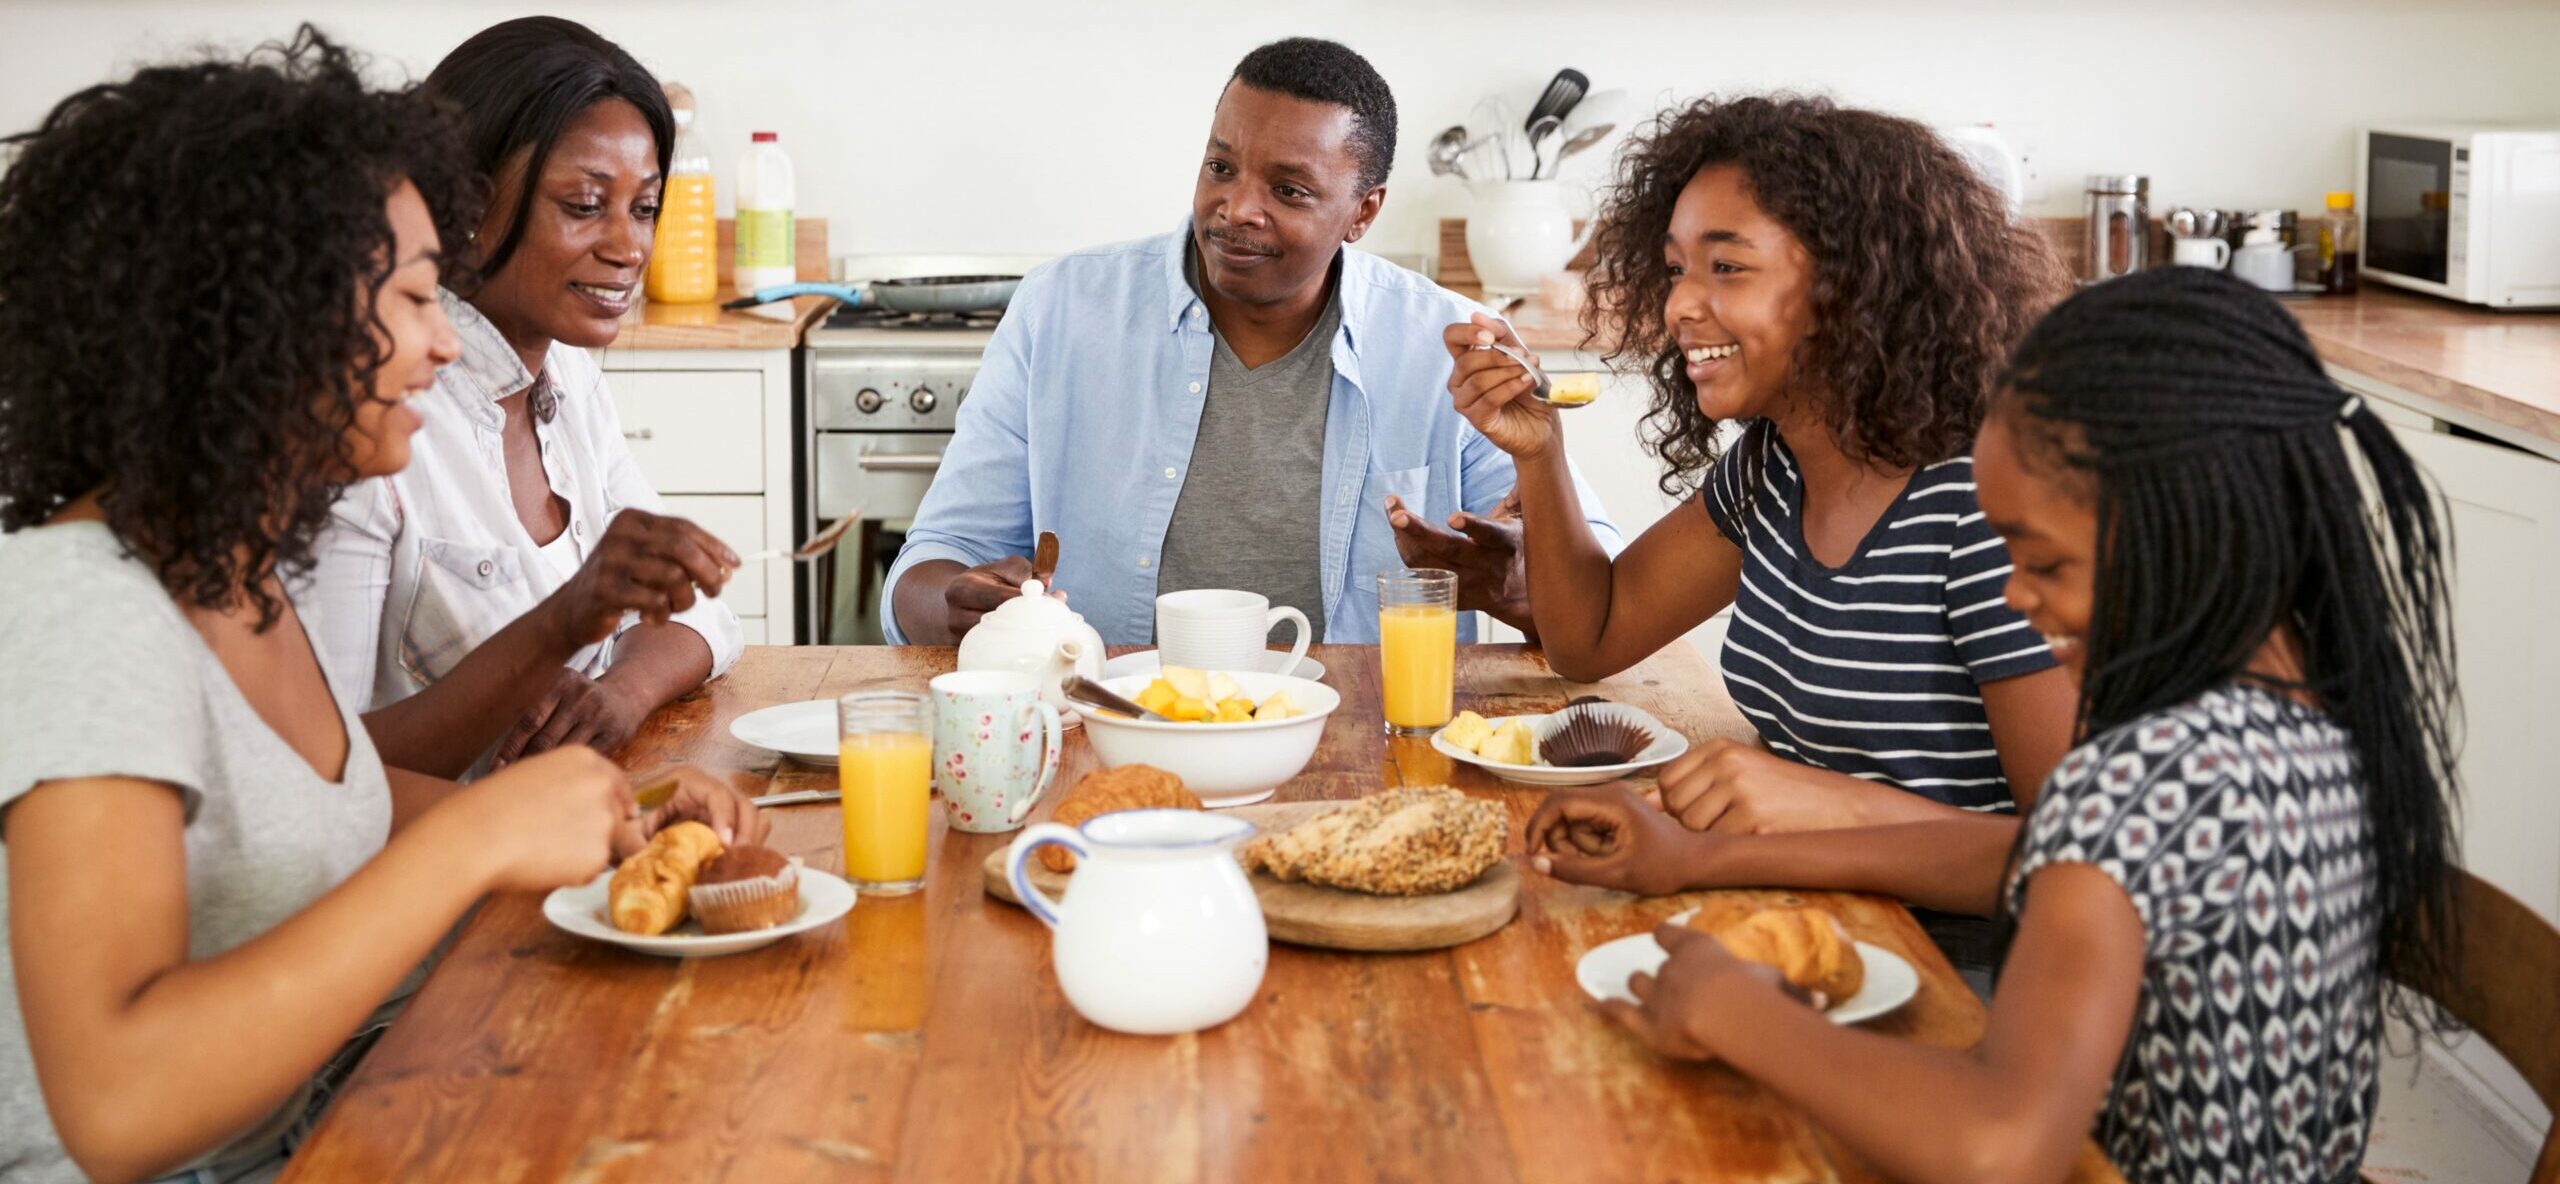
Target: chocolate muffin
[[746, 888]]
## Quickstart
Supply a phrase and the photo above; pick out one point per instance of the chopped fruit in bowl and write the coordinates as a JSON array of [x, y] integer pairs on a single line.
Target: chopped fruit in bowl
[[1189, 696]]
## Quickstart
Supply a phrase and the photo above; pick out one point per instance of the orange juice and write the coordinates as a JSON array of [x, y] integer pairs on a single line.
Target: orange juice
[[1418, 656], [684, 267], [887, 778]]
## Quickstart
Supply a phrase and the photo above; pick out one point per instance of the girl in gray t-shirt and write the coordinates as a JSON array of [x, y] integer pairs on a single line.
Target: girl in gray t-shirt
[[208, 880]]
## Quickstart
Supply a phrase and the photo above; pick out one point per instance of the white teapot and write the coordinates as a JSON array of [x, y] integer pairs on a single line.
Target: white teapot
[[1037, 635], [1159, 933]]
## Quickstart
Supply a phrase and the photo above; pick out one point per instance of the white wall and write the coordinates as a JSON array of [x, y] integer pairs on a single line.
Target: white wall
[[1041, 125]]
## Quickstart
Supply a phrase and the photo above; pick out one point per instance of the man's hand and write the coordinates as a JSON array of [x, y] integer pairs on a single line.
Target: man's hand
[[576, 710], [980, 590], [1493, 571]]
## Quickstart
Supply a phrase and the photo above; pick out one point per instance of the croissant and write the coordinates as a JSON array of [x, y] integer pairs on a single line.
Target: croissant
[[1807, 945], [647, 893], [1109, 791]]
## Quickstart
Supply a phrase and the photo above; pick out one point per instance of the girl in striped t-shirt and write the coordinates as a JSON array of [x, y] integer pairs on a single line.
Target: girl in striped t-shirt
[[1839, 286]]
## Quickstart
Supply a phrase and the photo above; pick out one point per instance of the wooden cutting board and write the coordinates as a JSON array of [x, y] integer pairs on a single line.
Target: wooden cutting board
[[1308, 915]]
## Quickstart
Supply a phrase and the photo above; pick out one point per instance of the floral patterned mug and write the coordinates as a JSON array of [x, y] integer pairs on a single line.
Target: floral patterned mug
[[995, 748]]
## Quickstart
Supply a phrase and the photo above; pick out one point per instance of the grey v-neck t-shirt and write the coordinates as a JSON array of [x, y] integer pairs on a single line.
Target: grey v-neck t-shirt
[[1251, 514], [107, 679]]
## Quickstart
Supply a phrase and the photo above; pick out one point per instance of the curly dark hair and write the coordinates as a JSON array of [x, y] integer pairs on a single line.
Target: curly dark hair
[[1921, 281], [1321, 71], [187, 263]]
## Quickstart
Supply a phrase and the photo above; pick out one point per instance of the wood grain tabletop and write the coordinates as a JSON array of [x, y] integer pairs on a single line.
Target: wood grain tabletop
[[924, 1037]]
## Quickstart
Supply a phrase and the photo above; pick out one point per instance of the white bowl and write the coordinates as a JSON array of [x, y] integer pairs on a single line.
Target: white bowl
[[1226, 764]]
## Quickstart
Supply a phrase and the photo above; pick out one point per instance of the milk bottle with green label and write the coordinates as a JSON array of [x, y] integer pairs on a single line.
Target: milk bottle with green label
[[765, 198]]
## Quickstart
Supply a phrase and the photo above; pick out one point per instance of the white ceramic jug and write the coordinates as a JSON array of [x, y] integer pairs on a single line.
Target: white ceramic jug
[[1518, 234], [1159, 932]]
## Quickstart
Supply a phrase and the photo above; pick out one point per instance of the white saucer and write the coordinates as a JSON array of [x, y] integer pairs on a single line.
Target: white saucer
[[824, 896], [1148, 662], [804, 731], [1604, 969], [1667, 745]]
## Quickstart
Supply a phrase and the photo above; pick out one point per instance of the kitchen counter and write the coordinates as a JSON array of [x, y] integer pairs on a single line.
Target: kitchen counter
[[2494, 372], [708, 326]]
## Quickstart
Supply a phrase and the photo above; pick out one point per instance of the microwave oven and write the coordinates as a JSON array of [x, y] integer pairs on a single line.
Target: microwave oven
[[2466, 212]]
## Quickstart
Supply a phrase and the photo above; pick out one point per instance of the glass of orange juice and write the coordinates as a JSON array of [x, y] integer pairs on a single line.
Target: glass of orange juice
[[886, 746], [1417, 647]]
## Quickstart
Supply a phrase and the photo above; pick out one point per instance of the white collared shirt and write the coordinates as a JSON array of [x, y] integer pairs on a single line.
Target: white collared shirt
[[418, 568]]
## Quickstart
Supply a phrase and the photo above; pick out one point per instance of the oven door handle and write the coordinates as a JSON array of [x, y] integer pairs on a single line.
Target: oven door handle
[[900, 462]]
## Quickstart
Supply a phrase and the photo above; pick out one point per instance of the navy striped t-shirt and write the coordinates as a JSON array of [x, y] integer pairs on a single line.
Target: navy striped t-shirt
[[1874, 668]]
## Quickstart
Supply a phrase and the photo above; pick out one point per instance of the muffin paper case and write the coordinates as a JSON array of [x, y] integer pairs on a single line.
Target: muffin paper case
[[740, 905]]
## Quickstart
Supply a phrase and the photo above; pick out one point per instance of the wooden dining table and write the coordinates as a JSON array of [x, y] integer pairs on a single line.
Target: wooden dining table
[[924, 1038]]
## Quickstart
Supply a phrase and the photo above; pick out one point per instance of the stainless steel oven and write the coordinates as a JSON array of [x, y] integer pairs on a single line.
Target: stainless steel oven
[[882, 396]]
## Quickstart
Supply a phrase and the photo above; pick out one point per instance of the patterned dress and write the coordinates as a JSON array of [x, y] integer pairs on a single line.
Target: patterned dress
[[2236, 823]]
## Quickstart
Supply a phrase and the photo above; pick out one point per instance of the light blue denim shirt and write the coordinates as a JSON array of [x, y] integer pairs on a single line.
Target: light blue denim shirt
[[1082, 415]]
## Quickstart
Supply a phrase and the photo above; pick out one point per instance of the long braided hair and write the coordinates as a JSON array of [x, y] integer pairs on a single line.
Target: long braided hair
[[2192, 414]]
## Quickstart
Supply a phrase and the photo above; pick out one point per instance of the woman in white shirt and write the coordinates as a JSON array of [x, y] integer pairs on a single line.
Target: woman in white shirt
[[516, 588]]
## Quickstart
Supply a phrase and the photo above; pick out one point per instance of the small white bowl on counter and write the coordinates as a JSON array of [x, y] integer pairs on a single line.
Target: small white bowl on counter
[[1226, 764]]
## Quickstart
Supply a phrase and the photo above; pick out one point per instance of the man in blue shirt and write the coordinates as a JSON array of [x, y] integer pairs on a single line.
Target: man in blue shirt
[[1243, 403]]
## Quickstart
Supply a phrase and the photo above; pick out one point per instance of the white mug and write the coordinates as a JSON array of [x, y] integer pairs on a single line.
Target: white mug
[[2200, 252], [2267, 265], [1224, 629]]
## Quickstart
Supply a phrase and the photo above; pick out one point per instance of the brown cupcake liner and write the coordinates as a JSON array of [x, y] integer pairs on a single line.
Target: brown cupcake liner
[[739, 905]]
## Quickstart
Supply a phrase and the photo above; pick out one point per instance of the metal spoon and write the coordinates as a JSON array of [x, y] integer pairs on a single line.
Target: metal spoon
[[1545, 390], [1446, 148], [1091, 694], [818, 544], [1583, 139]]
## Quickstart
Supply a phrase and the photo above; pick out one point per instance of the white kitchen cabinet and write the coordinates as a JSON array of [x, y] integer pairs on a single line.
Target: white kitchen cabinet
[[711, 429]]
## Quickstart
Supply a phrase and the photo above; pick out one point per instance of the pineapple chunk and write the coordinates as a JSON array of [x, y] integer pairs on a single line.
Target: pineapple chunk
[[1278, 706], [1187, 710], [1158, 697], [1235, 711], [1468, 731], [1223, 688], [1511, 744], [1189, 683]]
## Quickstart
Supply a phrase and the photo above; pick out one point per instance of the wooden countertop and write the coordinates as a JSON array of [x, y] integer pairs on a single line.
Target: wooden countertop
[[925, 1036], [2493, 372], [707, 326]]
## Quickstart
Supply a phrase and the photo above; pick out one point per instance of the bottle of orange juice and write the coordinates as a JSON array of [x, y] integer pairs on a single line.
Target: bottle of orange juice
[[684, 267]]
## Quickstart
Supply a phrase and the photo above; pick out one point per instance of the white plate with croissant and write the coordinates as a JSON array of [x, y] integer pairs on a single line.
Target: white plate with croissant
[[1886, 981], [582, 910]]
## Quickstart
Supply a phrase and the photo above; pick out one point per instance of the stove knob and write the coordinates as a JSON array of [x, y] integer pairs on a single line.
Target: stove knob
[[867, 401], [922, 401]]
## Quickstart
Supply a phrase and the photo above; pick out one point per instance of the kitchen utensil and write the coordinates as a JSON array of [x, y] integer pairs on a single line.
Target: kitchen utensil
[[2119, 225], [1518, 234], [1593, 120], [1446, 148], [1540, 129], [1036, 634], [1545, 391], [1226, 764], [1158, 933], [923, 294], [1493, 118], [995, 748], [823, 542], [1667, 746], [1580, 140], [1224, 629], [1094, 694], [1563, 91], [1330, 918], [1546, 148]]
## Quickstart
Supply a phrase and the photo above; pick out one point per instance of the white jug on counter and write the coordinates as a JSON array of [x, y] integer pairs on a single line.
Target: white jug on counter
[[1518, 234], [1159, 933]]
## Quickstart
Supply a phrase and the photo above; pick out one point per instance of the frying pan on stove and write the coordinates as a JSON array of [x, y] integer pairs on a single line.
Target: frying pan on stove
[[928, 294]]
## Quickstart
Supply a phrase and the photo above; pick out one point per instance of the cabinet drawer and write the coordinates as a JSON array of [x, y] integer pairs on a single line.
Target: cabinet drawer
[[739, 522], [752, 629], [694, 431]]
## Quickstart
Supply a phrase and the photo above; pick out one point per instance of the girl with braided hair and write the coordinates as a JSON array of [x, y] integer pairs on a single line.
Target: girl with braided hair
[[2257, 831]]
